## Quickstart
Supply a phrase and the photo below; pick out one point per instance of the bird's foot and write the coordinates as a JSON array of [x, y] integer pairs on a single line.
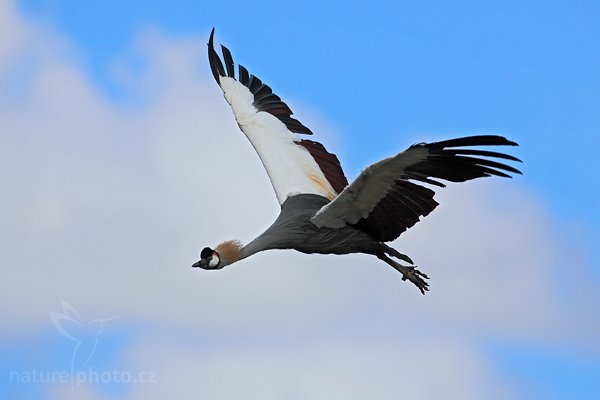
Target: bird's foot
[[415, 276]]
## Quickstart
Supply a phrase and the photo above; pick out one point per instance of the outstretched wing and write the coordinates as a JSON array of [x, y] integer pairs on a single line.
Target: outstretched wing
[[384, 202], [294, 165]]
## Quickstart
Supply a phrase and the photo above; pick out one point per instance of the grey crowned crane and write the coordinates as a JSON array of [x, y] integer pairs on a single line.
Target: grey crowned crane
[[320, 211]]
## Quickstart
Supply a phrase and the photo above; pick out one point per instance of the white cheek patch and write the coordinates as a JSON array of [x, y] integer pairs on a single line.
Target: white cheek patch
[[214, 261]]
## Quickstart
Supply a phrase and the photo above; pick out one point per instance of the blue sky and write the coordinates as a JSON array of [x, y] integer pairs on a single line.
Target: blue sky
[[370, 80], [525, 69]]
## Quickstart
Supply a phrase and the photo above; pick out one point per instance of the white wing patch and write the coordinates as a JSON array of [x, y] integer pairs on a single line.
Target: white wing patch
[[291, 168]]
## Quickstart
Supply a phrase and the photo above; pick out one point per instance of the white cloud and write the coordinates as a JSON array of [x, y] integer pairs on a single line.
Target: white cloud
[[108, 204], [320, 369]]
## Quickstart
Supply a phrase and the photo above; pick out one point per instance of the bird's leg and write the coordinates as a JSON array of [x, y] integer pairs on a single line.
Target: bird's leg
[[408, 273], [414, 275], [395, 253]]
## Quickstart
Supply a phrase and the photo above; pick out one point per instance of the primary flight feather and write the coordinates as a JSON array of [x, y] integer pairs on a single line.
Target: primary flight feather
[[320, 211]]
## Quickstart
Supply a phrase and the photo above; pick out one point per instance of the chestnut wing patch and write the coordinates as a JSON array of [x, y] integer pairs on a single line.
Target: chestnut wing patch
[[327, 162]]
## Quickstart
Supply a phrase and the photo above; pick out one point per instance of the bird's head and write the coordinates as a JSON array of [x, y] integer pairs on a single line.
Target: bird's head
[[224, 254], [209, 259]]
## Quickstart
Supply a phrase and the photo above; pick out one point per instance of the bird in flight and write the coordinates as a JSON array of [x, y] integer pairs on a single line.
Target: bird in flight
[[320, 211]]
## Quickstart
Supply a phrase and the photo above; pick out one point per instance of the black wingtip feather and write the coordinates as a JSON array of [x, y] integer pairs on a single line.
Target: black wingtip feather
[[483, 153], [480, 140], [243, 74], [216, 66], [487, 163], [228, 61]]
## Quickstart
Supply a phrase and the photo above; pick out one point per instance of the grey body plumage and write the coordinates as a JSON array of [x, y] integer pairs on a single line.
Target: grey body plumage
[[320, 211], [293, 230]]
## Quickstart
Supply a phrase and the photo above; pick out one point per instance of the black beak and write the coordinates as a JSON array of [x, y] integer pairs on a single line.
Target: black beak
[[203, 263]]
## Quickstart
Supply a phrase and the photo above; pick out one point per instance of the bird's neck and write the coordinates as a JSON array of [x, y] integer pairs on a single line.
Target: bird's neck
[[251, 248]]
